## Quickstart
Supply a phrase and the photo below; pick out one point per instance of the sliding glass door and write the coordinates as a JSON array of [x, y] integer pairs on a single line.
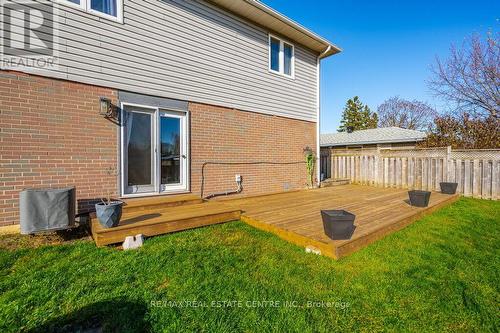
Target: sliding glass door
[[173, 150], [154, 151], [138, 146]]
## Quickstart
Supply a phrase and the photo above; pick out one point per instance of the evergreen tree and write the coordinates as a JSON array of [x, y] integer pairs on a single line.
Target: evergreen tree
[[357, 116]]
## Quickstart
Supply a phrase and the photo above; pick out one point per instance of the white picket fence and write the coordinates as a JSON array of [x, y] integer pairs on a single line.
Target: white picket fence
[[477, 172]]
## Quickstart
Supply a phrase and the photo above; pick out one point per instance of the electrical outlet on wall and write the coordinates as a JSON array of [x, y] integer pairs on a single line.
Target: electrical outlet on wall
[[237, 178]]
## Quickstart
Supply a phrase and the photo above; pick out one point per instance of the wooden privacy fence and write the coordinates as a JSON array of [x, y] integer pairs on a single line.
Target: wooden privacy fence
[[477, 172]]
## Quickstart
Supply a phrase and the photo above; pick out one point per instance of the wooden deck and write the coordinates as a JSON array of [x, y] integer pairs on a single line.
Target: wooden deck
[[161, 215], [293, 216], [296, 216]]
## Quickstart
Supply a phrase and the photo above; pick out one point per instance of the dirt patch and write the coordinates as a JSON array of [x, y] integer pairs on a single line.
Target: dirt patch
[[165, 283], [18, 241]]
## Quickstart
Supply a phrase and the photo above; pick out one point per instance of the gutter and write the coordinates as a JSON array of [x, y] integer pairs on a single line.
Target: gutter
[[325, 52], [318, 111], [295, 25]]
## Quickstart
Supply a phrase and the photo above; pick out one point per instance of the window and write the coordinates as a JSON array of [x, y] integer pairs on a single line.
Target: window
[[275, 55], [281, 57], [108, 7], [111, 9], [287, 61], [76, 3]]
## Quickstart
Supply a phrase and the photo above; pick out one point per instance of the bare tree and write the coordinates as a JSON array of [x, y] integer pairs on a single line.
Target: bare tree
[[402, 113], [463, 131], [470, 77]]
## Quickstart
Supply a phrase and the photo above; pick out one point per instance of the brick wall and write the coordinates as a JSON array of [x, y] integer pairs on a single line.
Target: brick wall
[[227, 135], [52, 136]]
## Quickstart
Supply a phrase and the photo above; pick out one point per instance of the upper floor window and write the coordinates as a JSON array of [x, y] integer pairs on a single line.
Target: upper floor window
[[281, 57], [108, 7], [111, 9]]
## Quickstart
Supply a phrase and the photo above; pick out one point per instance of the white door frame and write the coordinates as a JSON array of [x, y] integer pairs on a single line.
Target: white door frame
[[184, 160], [158, 188]]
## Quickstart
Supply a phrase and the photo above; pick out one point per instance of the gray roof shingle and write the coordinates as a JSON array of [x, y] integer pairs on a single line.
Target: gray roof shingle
[[371, 136]]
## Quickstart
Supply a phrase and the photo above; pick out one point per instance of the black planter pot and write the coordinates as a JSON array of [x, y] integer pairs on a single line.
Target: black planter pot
[[109, 215], [448, 188], [338, 224], [419, 198]]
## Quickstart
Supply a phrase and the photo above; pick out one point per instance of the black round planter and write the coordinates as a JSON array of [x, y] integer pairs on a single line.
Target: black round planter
[[109, 215], [419, 198], [448, 188], [338, 224]]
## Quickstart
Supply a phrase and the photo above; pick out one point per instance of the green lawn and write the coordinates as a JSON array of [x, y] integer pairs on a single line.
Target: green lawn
[[440, 274]]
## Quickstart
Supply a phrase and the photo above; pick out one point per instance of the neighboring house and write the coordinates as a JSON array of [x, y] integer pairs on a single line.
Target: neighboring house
[[384, 137], [188, 82], [376, 138]]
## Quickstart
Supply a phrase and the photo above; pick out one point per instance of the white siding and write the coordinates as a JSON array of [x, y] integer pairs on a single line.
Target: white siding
[[184, 49]]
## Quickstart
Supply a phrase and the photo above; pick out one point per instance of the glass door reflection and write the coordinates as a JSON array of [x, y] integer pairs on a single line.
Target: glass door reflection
[[139, 151], [170, 150]]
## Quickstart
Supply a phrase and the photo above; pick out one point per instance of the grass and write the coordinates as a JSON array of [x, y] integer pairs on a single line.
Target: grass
[[439, 274]]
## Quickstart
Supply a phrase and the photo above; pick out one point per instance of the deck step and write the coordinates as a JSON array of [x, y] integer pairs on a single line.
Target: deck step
[[335, 182], [153, 222], [143, 204]]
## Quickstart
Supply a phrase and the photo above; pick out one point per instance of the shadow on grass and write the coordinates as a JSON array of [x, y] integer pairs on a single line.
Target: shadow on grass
[[81, 231], [117, 315]]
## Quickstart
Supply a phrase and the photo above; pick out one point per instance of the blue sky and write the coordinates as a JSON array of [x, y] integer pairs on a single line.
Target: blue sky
[[388, 46]]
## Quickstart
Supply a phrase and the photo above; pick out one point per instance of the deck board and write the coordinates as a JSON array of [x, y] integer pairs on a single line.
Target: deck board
[[296, 216], [156, 221], [159, 202]]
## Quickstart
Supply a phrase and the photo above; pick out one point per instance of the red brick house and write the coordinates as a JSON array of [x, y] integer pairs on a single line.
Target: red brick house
[[183, 83]]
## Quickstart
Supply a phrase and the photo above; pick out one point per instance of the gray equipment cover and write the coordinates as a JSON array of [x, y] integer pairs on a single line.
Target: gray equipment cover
[[46, 209]]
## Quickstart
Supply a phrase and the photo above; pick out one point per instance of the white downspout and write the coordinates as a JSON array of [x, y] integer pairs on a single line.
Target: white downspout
[[318, 109]]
